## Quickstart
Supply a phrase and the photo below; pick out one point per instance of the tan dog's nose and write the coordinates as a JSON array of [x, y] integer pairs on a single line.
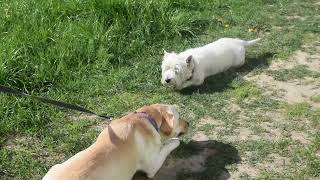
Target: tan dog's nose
[[184, 129], [186, 126]]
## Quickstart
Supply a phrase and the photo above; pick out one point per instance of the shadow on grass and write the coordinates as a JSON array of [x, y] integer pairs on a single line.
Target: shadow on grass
[[221, 81], [197, 160]]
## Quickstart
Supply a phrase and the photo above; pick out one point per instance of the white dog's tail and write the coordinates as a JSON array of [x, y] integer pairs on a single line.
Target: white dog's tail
[[250, 43]]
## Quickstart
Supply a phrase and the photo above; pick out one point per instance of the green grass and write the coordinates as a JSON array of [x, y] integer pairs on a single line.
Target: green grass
[[315, 98], [298, 110], [106, 55], [298, 72]]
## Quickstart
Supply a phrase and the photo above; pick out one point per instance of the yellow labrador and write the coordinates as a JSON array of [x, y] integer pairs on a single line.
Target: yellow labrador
[[138, 141]]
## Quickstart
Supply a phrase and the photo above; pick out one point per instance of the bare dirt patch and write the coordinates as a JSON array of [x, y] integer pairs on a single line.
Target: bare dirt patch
[[301, 137], [200, 136], [214, 133], [271, 133], [295, 90], [210, 121], [273, 162], [310, 59], [243, 134], [239, 134], [236, 109], [276, 163], [245, 170]]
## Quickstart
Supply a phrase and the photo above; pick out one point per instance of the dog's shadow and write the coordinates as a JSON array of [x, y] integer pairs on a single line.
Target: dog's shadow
[[221, 81], [197, 160]]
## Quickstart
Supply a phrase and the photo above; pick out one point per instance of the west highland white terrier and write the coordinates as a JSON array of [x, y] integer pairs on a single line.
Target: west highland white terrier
[[191, 67]]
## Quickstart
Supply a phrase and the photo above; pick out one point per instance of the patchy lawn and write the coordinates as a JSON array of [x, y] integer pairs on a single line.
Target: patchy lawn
[[260, 121]]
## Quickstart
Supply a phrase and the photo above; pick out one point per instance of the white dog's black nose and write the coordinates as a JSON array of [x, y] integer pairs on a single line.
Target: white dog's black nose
[[168, 80]]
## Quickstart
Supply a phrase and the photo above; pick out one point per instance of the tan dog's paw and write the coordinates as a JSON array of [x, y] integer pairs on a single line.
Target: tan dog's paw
[[173, 143]]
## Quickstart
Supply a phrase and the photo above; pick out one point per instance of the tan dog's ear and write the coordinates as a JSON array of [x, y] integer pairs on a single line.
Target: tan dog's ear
[[166, 126]]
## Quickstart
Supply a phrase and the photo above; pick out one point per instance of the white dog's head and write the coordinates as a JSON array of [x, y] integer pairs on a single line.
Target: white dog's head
[[176, 69]]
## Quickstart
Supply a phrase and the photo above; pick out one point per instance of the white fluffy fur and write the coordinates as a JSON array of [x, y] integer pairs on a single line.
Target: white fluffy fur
[[192, 66]]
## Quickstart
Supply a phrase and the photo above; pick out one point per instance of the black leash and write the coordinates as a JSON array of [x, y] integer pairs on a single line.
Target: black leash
[[53, 102], [6, 173]]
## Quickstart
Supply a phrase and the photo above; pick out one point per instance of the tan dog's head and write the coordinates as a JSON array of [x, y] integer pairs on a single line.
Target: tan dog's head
[[168, 120]]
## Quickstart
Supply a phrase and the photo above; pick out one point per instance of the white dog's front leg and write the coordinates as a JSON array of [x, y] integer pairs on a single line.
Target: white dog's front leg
[[167, 148], [187, 84], [195, 82]]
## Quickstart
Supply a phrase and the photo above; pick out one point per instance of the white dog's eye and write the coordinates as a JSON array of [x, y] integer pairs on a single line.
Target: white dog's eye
[[176, 69]]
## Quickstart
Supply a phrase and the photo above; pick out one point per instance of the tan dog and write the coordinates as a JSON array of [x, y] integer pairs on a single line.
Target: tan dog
[[137, 141]]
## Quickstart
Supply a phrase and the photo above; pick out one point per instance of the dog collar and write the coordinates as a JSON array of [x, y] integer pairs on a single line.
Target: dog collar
[[191, 75], [150, 119]]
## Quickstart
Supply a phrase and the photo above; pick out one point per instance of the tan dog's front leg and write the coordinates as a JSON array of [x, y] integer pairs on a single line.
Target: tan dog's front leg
[[166, 149]]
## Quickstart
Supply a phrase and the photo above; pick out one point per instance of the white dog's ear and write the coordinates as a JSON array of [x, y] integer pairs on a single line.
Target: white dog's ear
[[189, 60], [165, 53]]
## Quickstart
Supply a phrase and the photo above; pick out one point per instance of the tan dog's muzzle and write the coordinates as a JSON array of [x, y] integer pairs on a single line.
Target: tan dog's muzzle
[[184, 126]]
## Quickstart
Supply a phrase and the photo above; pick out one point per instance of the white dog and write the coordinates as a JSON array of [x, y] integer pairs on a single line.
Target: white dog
[[192, 66]]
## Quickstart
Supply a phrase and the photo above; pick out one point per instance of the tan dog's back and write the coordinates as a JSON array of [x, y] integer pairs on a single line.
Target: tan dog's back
[[114, 148]]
